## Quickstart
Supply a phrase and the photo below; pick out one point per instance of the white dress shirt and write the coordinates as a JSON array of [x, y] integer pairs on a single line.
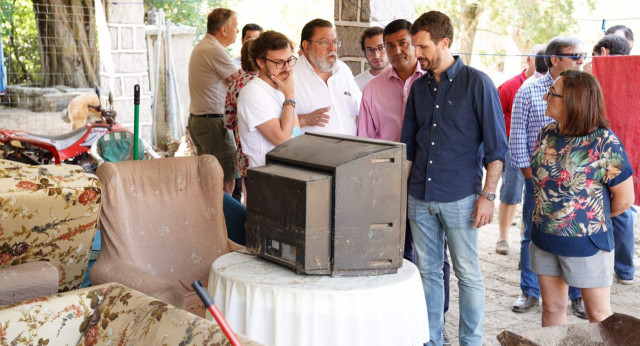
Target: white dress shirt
[[340, 92]]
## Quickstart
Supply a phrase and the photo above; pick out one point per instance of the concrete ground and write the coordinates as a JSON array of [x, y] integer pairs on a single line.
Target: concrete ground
[[501, 274], [502, 288]]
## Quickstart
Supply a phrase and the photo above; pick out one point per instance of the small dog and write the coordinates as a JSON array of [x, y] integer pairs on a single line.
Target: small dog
[[82, 109]]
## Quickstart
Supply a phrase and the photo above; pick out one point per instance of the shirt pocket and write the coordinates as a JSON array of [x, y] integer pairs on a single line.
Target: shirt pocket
[[345, 102], [460, 115]]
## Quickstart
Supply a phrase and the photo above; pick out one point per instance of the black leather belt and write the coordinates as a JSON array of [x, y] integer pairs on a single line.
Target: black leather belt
[[207, 115]]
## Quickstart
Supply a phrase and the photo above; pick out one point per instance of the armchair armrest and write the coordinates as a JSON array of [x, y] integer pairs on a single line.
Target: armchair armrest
[[27, 281], [236, 247], [130, 275]]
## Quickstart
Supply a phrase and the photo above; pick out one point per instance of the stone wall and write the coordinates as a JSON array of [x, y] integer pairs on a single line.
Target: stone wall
[[352, 17], [125, 19], [52, 99]]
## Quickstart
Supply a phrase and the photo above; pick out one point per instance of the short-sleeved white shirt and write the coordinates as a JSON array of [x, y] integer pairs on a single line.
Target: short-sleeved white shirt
[[363, 78], [209, 66], [258, 103], [340, 92]]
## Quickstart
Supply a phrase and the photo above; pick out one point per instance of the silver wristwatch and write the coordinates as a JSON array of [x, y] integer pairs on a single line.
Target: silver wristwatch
[[489, 195]]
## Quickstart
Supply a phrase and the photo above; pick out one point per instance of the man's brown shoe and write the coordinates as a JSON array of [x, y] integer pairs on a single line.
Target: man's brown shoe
[[525, 303]]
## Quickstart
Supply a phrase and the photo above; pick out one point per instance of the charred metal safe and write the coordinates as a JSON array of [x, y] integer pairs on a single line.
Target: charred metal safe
[[327, 204]]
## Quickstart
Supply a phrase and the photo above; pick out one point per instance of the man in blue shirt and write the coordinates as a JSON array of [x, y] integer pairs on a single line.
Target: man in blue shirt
[[452, 127], [527, 118]]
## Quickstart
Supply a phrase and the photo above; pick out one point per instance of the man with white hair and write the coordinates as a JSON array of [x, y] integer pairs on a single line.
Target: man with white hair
[[327, 96], [210, 72]]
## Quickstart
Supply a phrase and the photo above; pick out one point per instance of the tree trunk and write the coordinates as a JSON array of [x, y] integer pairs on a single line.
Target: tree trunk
[[468, 25], [67, 37]]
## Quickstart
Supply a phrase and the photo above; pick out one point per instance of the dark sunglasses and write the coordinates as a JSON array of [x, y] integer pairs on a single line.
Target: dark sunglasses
[[574, 56]]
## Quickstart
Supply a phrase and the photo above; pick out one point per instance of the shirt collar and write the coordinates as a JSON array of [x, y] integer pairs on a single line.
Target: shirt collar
[[523, 75], [453, 70], [417, 72], [214, 40]]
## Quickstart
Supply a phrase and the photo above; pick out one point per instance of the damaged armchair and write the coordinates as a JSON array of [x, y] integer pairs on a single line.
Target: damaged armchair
[[162, 226]]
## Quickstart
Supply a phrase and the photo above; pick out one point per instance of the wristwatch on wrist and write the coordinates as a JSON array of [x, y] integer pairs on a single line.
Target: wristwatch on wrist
[[289, 102], [489, 195]]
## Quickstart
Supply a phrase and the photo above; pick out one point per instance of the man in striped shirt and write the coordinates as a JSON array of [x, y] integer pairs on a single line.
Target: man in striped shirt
[[527, 118]]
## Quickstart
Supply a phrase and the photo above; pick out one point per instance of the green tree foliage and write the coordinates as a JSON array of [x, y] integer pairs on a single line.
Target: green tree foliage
[[20, 42], [186, 12], [527, 22]]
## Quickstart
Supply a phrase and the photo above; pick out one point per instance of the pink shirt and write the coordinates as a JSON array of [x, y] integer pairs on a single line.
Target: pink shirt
[[382, 107]]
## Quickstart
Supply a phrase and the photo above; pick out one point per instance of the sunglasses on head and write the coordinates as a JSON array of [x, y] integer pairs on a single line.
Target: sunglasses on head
[[574, 56]]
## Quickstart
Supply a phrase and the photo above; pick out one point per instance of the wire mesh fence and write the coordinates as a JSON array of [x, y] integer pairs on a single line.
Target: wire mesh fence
[[57, 49], [50, 56]]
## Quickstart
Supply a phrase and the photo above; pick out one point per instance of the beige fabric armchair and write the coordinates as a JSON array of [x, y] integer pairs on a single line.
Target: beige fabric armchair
[[162, 226], [48, 218]]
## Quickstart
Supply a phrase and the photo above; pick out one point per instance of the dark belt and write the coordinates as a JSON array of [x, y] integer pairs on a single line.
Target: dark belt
[[207, 115]]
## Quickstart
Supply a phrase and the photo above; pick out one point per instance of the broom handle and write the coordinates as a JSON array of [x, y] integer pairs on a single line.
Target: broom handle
[[208, 302], [136, 119]]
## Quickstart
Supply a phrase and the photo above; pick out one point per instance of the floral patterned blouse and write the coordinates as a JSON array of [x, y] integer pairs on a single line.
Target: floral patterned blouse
[[571, 177], [230, 117]]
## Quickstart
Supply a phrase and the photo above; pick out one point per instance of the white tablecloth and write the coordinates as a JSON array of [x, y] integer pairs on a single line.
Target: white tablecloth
[[273, 305]]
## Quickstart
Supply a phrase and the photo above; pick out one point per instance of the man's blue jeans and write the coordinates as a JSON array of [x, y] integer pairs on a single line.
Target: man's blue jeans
[[409, 255], [624, 241], [430, 223], [528, 279]]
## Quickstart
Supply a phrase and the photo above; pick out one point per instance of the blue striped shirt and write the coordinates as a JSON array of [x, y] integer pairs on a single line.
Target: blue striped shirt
[[527, 118]]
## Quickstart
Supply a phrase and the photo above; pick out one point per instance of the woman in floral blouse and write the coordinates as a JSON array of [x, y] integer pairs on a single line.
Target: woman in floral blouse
[[582, 178], [230, 117]]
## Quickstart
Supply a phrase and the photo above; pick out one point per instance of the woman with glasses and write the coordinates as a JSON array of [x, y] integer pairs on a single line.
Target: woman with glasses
[[582, 178]]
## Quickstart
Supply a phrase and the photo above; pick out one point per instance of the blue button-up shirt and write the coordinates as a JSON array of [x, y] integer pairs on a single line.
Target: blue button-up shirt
[[527, 118], [450, 130]]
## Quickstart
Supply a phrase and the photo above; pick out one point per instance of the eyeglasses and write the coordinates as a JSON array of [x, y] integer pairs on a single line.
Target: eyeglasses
[[549, 94], [280, 63], [401, 44], [372, 50], [327, 44], [574, 56]]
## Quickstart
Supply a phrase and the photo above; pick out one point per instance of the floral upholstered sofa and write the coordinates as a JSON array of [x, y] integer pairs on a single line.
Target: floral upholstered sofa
[[109, 314], [48, 218]]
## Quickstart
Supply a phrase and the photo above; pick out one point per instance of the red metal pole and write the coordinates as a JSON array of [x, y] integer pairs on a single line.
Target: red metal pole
[[208, 303]]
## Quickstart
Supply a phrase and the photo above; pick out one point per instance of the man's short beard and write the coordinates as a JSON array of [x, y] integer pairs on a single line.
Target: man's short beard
[[321, 64], [432, 65]]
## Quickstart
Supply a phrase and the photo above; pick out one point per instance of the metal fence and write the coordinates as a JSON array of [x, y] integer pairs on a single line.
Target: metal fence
[[50, 56]]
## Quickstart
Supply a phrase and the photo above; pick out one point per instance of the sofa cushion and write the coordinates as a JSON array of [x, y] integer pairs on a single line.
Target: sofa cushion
[[128, 317]]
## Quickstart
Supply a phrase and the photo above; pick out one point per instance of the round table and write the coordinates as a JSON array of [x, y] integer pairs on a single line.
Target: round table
[[275, 306]]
